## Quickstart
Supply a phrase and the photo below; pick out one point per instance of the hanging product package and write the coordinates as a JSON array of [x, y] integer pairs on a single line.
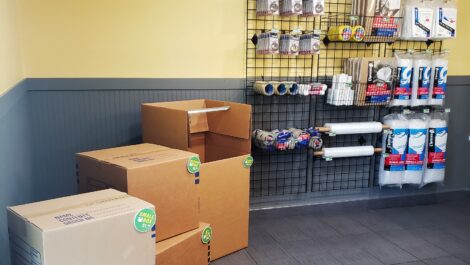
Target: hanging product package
[[313, 8], [267, 7], [290, 44], [445, 20], [291, 7], [375, 81], [394, 144], [310, 43], [268, 43], [438, 90], [264, 140], [422, 68], [402, 93], [437, 148], [418, 20], [380, 18], [416, 151]]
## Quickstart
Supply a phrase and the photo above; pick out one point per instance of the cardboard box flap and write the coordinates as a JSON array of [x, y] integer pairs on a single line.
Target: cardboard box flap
[[184, 105], [152, 158], [235, 122], [84, 210], [40, 208], [124, 151], [169, 243], [167, 125]]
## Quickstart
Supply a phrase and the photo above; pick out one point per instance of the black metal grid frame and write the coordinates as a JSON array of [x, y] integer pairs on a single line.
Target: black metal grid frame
[[298, 172]]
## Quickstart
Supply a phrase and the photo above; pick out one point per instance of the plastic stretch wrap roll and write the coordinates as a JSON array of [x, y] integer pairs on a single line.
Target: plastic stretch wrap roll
[[436, 155], [354, 127], [415, 156], [355, 151], [394, 143]]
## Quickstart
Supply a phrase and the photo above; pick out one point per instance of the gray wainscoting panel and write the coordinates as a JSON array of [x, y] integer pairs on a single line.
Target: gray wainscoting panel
[[16, 178], [95, 115]]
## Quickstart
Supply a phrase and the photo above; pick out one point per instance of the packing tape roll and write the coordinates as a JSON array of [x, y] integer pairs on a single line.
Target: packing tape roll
[[264, 88], [292, 88], [280, 89], [354, 128], [342, 152], [358, 33]]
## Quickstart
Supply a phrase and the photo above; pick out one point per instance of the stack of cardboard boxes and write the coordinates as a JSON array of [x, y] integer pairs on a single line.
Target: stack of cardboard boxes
[[194, 167]]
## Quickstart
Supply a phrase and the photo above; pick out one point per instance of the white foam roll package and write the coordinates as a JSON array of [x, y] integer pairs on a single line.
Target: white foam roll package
[[416, 151], [343, 152], [404, 70], [394, 144], [436, 149], [422, 68], [438, 91], [354, 127]]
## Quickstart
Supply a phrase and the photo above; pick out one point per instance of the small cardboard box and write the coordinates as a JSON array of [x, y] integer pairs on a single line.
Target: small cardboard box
[[105, 227], [152, 173], [220, 132], [190, 248]]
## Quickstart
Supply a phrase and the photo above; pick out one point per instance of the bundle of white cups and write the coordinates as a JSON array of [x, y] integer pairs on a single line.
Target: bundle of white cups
[[290, 7], [414, 149], [341, 92], [423, 20], [288, 88], [421, 79]]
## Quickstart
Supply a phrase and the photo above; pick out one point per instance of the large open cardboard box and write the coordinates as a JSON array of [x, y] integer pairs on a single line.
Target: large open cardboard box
[[96, 228], [152, 173], [220, 132], [184, 249]]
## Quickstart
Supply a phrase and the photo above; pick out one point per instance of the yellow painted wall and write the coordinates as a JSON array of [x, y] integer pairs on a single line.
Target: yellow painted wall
[[154, 38], [10, 55], [133, 38]]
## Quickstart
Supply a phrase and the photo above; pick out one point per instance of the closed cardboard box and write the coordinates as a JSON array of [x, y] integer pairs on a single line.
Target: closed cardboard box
[[105, 227], [220, 132], [152, 173], [189, 248]]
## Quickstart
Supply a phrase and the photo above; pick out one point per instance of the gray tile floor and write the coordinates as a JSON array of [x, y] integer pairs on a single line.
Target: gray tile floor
[[436, 234]]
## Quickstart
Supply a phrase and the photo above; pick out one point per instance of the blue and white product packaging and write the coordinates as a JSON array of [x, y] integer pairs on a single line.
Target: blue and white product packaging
[[438, 90], [416, 151], [445, 19], [301, 137], [264, 140], [422, 71], [310, 43], [394, 145], [437, 148], [291, 7], [283, 140], [267, 7], [418, 20], [316, 141], [403, 84]]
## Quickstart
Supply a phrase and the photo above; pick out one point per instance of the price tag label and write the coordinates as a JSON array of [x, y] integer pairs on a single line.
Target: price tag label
[[328, 159], [332, 134], [426, 111], [447, 110]]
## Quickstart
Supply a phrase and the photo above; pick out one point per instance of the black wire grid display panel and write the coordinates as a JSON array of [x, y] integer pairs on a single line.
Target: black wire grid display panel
[[298, 171]]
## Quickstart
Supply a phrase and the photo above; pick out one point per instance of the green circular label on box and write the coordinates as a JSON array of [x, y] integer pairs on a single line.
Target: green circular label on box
[[248, 162], [145, 220], [206, 235], [194, 164]]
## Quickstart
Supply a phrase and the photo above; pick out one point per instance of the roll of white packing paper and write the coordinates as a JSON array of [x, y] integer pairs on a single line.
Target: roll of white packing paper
[[354, 127], [414, 165], [436, 154], [437, 92], [342, 152], [394, 143], [421, 81], [402, 94]]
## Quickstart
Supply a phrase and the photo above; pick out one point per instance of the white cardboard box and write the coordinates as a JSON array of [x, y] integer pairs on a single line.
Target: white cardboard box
[[98, 228]]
